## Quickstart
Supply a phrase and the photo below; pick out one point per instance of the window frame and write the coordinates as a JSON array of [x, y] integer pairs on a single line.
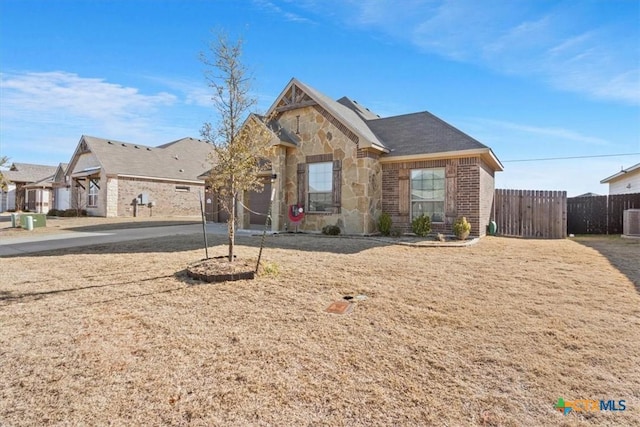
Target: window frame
[[91, 194], [328, 194], [413, 215]]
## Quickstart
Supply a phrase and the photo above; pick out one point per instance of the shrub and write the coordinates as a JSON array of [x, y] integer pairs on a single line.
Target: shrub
[[461, 228], [421, 225], [395, 232], [52, 212], [331, 230], [384, 224], [73, 212]]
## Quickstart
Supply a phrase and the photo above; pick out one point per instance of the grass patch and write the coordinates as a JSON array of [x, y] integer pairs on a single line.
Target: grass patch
[[490, 334]]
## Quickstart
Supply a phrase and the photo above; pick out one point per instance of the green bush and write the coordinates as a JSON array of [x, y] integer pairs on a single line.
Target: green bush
[[384, 224], [53, 212], [73, 212], [461, 228], [421, 225], [331, 230]]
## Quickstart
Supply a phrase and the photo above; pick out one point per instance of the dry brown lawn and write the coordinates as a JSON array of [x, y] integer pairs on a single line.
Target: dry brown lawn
[[491, 334]]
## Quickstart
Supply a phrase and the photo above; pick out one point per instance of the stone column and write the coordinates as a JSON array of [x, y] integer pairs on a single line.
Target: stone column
[[278, 208]]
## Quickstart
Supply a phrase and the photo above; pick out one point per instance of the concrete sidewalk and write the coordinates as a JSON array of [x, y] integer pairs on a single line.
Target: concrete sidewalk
[[46, 242]]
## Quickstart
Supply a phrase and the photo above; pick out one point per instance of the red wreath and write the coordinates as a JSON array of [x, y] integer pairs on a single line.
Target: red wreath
[[296, 213]]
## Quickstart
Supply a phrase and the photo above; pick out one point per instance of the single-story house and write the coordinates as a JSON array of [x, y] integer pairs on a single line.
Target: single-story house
[[114, 178], [61, 188], [29, 188], [345, 165], [627, 181]]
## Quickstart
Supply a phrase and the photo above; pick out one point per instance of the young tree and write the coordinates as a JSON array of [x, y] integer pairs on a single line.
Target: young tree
[[3, 181], [241, 141]]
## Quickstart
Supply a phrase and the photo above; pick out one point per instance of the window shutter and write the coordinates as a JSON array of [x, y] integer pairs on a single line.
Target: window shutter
[[337, 185], [451, 192], [403, 191], [302, 185]]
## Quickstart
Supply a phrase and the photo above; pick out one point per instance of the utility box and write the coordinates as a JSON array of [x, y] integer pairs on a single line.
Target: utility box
[[15, 220], [39, 220], [631, 222]]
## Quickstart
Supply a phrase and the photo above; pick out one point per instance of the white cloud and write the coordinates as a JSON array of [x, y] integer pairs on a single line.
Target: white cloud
[[553, 42], [287, 15], [45, 113]]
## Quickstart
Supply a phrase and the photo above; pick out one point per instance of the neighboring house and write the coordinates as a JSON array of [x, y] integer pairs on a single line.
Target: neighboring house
[[61, 188], [29, 188], [346, 165], [626, 181], [113, 178], [588, 195]]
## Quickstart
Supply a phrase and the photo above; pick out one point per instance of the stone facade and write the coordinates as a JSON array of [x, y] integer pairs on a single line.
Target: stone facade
[[360, 175]]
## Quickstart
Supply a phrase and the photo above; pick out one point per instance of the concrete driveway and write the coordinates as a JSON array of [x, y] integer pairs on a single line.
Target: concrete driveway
[[12, 246]]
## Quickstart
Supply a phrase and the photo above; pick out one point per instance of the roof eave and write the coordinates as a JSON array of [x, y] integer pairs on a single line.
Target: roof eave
[[364, 142], [621, 174], [485, 153]]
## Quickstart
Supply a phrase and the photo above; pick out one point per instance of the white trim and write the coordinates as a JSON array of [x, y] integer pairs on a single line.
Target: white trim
[[364, 141], [485, 152], [622, 173]]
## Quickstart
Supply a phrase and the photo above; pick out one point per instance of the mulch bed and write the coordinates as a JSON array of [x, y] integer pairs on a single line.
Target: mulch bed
[[219, 269]]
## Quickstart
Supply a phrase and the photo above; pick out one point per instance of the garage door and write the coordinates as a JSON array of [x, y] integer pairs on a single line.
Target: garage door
[[259, 204]]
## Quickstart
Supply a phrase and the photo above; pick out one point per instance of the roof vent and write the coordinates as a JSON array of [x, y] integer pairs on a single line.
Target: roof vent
[[148, 149], [135, 146], [124, 145], [109, 142], [175, 157], [181, 170]]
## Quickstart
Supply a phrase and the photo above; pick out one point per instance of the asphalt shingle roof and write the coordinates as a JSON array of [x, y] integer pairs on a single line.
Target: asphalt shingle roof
[[27, 172], [184, 159], [420, 133]]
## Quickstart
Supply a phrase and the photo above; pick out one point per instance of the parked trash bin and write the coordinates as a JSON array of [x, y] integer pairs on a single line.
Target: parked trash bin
[[27, 223], [15, 220]]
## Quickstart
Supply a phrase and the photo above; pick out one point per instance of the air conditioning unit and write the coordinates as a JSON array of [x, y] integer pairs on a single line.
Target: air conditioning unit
[[631, 222]]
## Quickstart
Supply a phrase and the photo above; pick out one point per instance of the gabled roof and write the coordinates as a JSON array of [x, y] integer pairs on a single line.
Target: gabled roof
[[43, 183], [423, 134], [183, 159], [621, 174], [420, 133], [27, 172], [399, 138], [344, 114], [61, 171]]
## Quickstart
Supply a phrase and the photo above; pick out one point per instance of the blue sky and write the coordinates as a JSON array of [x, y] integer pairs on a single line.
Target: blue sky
[[531, 79]]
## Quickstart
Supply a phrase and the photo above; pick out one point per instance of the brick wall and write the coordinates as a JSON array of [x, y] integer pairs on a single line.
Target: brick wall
[[468, 183], [487, 193], [168, 201]]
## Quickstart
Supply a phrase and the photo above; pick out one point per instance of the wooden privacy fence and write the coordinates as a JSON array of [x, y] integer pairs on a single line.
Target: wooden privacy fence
[[531, 213], [599, 214]]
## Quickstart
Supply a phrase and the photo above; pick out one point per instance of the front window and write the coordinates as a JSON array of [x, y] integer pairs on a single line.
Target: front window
[[93, 194], [320, 186], [427, 193]]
